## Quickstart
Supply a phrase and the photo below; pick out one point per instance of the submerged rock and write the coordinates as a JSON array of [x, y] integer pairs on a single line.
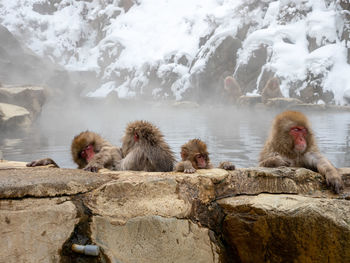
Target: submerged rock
[[246, 215]]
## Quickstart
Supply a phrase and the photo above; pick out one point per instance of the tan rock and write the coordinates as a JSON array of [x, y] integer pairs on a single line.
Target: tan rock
[[176, 217], [293, 228], [30, 97], [154, 239], [44, 182], [253, 181], [12, 116], [34, 230], [130, 197]]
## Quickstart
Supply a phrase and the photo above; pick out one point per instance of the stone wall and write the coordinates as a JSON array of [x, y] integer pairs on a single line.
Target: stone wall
[[247, 215]]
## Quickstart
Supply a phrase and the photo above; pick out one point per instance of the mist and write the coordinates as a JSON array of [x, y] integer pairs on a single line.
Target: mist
[[232, 134]]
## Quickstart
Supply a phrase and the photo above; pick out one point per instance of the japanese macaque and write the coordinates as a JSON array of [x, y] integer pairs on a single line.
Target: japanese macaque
[[144, 149], [271, 90], [194, 155], [292, 143], [232, 90], [90, 152]]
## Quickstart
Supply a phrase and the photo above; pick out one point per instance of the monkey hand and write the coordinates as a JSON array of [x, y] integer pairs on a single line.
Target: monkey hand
[[227, 166], [334, 181], [93, 167], [190, 170], [186, 167]]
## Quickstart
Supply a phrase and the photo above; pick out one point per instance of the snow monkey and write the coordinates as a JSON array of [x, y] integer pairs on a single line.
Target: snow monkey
[[194, 155], [271, 90], [90, 152], [144, 149], [232, 90], [292, 143]]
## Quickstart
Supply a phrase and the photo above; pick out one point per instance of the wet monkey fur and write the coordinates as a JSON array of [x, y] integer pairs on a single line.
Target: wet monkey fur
[[194, 155], [90, 152], [144, 149], [292, 143]]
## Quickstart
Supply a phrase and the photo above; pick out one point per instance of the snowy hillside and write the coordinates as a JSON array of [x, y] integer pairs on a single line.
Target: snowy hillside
[[178, 49]]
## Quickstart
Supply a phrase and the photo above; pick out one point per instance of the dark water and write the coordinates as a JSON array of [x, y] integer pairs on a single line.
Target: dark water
[[231, 134]]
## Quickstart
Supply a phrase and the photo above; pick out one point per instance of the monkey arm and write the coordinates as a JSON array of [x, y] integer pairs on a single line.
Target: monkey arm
[[105, 158], [317, 161], [134, 161], [274, 161], [42, 162], [185, 166]]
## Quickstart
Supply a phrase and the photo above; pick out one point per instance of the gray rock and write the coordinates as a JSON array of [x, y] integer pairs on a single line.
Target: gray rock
[[282, 102], [30, 97], [14, 117], [247, 74], [249, 101]]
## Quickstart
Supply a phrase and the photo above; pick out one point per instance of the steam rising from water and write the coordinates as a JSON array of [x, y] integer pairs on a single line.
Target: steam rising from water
[[231, 134]]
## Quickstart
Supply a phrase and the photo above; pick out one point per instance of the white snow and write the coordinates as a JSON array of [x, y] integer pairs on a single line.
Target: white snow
[[102, 37]]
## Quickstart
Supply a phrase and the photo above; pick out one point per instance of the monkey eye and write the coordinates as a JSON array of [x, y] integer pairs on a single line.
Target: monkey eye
[[88, 147], [136, 137], [83, 154], [299, 129], [199, 155]]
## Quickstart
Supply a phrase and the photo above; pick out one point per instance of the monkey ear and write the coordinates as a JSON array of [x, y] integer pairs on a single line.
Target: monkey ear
[[184, 154]]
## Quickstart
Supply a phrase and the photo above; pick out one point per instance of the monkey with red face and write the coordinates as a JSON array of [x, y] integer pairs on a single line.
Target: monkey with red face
[[194, 156], [292, 143], [90, 152]]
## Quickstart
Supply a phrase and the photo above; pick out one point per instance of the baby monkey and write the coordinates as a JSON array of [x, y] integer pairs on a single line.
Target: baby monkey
[[194, 155], [90, 152]]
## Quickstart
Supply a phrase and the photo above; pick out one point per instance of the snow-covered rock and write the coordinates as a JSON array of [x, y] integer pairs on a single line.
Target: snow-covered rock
[[183, 49]]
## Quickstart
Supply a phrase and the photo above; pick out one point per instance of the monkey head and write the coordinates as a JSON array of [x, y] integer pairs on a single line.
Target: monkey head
[[84, 146], [228, 83], [196, 152], [140, 132], [292, 133]]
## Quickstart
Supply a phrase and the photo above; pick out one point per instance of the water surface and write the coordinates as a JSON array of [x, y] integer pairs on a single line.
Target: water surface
[[231, 134]]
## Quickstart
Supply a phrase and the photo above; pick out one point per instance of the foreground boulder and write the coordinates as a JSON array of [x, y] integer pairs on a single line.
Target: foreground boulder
[[247, 215], [287, 228]]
